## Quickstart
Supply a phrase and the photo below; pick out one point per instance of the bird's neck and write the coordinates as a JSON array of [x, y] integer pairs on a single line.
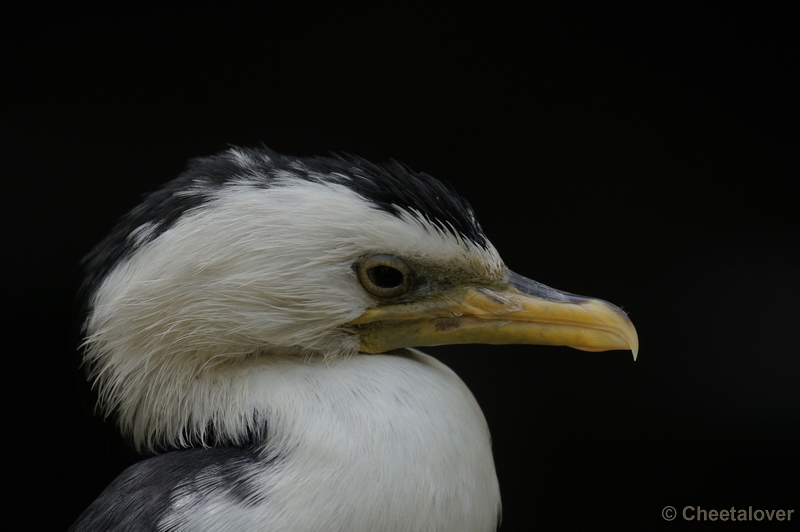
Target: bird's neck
[[376, 439]]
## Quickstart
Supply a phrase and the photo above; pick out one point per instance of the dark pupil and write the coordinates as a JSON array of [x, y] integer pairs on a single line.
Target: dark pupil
[[385, 276]]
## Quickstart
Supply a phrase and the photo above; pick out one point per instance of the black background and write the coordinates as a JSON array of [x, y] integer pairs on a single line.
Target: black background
[[647, 156]]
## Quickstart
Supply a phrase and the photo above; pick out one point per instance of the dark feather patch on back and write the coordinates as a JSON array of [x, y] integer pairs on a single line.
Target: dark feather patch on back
[[390, 187], [146, 493]]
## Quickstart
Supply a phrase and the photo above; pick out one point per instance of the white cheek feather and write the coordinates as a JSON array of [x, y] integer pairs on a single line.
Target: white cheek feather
[[173, 328]]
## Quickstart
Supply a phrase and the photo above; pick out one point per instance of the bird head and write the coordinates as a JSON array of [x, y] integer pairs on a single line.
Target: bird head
[[252, 259]]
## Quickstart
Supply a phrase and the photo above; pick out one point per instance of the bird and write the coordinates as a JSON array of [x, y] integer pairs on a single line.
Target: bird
[[252, 328]]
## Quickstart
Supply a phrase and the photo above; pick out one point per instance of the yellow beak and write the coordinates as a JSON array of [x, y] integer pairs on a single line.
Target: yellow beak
[[518, 311]]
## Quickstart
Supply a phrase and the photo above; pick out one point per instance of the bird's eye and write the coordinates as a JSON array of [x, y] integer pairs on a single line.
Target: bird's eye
[[384, 275]]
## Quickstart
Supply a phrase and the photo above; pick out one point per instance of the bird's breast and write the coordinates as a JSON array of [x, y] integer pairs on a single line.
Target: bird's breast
[[373, 442]]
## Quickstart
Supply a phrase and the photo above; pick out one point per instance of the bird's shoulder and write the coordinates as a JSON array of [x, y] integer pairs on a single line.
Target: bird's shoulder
[[146, 494]]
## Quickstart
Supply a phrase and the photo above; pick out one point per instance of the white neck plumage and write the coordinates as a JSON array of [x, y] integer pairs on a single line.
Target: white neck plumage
[[371, 442]]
